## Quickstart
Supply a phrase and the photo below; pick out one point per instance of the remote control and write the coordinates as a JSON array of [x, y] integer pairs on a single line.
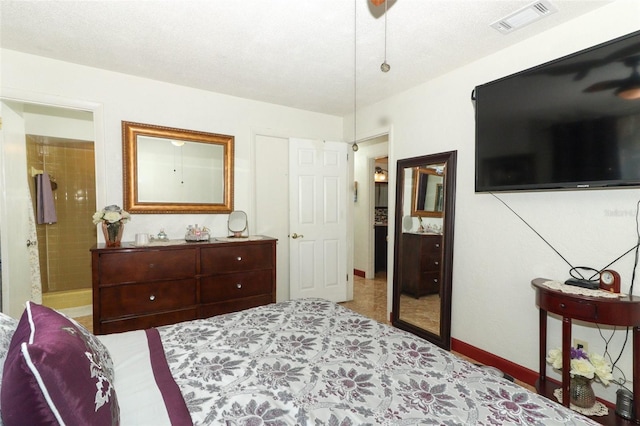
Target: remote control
[[593, 285]]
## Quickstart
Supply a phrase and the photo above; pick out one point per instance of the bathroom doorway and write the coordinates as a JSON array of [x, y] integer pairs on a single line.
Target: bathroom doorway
[[58, 144]]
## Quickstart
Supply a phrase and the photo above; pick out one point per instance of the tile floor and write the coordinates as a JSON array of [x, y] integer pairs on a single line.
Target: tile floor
[[370, 297]]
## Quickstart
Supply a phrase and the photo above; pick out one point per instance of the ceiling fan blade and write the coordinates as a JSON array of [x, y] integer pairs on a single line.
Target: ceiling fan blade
[[605, 85], [630, 51]]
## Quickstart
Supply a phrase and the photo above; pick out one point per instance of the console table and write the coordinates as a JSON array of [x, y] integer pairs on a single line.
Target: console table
[[624, 311]]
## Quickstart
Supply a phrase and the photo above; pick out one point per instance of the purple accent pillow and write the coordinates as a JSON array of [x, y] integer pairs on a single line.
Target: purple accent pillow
[[52, 375]]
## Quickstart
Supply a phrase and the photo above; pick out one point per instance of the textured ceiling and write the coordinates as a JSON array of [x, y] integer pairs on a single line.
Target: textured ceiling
[[298, 53]]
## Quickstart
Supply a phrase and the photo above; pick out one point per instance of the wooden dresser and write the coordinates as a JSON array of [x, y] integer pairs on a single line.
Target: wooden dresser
[[142, 287], [421, 264]]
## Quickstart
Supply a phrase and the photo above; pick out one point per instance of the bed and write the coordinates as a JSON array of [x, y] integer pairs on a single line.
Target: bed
[[303, 362]]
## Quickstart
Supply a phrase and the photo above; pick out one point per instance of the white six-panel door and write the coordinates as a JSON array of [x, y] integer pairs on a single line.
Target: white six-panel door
[[317, 219]]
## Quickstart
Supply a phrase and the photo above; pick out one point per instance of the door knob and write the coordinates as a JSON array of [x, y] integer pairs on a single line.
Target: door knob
[[296, 236]]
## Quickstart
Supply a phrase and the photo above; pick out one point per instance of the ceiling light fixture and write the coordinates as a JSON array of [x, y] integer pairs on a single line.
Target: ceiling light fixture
[[380, 174], [385, 67]]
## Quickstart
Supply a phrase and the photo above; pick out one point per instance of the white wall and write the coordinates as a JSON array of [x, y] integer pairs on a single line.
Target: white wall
[[124, 97], [495, 255]]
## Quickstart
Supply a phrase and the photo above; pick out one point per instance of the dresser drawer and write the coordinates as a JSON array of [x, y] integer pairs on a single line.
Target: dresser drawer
[[223, 287], [148, 321], [430, 282], [432, 245], [143, 298], [234, 258], [149, 265], [577, 309], [431, 261], [212, 309]]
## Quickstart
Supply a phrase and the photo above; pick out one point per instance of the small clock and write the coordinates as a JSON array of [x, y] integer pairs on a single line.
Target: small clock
[[610, 281]]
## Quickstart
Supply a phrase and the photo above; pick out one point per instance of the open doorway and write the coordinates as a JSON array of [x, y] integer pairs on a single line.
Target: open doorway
[[370, 227], [371, 154], [380, 211], [58, 143]]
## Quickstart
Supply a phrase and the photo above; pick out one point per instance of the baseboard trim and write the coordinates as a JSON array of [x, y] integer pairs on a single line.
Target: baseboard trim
[[486, 358], [514, 370], [358, 273]]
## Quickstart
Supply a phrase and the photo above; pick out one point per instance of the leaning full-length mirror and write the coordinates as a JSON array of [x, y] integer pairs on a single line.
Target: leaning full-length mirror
[[425, 207]]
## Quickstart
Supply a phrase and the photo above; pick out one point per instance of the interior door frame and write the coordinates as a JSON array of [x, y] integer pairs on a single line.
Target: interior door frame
[[363, 137], [284, 242], [27, 97]]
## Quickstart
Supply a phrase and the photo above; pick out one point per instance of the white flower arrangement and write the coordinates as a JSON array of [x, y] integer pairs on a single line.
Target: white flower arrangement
[[110, 215], [589, 365]]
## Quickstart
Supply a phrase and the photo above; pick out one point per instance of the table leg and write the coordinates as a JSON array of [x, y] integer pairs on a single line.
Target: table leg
[[635, 353], [566, 360], [543, 346]]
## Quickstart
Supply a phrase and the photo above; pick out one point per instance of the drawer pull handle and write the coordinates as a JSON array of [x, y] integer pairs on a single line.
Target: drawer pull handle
[[151, 265], [239, 258], [437, 245], [436, 263], [239, 285], [152, 297], [435, 280], [562, 305]]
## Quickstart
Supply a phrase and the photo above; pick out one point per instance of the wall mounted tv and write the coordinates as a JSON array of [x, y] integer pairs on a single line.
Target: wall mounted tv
[[563, 124]]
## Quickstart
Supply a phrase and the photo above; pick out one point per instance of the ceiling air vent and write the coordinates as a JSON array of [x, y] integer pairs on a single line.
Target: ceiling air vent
[[524, 16]]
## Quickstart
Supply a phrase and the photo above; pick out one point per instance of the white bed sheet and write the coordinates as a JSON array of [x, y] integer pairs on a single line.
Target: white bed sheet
[[134, 379]]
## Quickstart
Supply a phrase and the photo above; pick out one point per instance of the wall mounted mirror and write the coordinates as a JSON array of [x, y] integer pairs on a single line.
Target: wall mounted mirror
[[427, 197], [423, 253], [168, 170]]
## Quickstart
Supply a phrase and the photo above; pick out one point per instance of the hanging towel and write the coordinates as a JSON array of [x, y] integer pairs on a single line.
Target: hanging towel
[[46, 208]]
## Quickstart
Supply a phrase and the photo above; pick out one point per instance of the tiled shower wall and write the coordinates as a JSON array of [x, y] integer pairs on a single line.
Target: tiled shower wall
[[65, 261]]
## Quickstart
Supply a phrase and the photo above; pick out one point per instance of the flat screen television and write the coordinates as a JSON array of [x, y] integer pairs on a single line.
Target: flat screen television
[[563, 124]]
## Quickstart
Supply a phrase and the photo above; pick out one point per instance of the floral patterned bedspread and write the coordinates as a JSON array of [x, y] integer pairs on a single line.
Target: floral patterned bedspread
[[314, 362]]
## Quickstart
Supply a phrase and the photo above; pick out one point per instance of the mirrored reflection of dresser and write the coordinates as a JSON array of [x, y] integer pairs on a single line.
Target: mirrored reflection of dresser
[[142, 287], [421, 264]]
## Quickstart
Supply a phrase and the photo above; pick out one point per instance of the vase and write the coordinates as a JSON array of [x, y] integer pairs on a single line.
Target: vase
[[112, 233], [581, 392]]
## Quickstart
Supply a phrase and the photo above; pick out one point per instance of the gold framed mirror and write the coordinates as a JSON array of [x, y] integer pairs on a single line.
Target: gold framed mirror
[[169, 170], [427, 196]]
